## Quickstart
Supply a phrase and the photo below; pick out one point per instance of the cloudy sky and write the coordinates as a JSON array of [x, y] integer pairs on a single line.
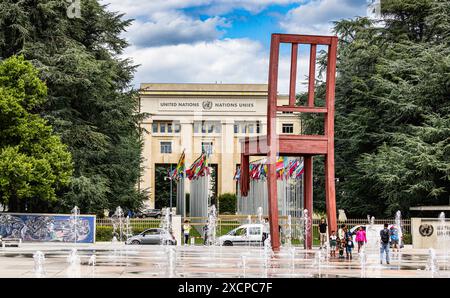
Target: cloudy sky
[[208, 41]]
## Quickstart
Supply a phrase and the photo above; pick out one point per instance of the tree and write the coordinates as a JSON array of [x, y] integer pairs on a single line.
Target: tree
[[91, 105], [392, 109], [34, 164]]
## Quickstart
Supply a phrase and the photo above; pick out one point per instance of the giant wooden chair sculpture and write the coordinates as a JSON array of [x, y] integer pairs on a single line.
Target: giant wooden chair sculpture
[[296, 145]]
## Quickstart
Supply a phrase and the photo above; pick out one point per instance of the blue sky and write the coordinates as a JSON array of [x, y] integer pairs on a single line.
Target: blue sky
[[208, 41]]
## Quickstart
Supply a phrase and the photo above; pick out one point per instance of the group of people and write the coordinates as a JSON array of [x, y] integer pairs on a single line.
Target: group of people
[[343, 241]]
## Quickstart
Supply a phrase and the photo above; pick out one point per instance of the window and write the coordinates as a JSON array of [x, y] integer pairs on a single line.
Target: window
[[169, 127], [241, 232], [166, 147], [177, 128], [236, 128], [254, 231], [288, 128], [207, 147], [245, 127], [151, 232], [251, 128], [207, 127], [155, 127], [162, 127]]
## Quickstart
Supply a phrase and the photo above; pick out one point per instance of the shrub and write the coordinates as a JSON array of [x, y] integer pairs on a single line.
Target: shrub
[[227, 203]]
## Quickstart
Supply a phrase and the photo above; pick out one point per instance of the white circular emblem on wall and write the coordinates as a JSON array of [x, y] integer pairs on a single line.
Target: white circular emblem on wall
[[207, 105]]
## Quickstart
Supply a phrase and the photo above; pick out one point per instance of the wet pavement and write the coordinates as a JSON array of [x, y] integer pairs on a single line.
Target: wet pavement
[[129, 261]]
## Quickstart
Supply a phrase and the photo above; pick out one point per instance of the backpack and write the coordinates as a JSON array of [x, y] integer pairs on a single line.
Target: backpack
[[384, 236]]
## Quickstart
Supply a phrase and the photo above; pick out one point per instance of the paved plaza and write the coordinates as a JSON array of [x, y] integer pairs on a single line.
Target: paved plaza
[[118, 260]]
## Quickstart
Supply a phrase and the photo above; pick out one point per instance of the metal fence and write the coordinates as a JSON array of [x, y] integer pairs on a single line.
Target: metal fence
[[226, 223]]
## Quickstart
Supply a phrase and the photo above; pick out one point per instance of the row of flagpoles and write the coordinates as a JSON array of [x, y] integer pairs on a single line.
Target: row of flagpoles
[[199, 168], [285, 169]]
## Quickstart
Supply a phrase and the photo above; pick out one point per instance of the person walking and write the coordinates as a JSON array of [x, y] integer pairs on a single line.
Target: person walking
[[394, 239], [348, 243], [341, 241], [186, 231], [323, 233], [384, 248], [361, 237], [333, 243], [205, 234]]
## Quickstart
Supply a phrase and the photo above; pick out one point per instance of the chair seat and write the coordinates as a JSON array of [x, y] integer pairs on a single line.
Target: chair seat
[[288, 145]]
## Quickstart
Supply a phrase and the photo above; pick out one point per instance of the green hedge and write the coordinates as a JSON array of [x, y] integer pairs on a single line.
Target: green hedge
[[227, 203], [105, 233]]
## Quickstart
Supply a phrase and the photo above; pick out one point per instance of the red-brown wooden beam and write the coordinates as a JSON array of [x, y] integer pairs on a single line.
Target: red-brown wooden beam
[[293, 78], [308, 196], [244, 180], [272, 141], [298, 109], [329, 132], [304, 39], [312, 75]]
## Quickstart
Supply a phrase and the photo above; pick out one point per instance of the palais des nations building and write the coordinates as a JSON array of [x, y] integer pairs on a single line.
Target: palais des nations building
[[212, 117]]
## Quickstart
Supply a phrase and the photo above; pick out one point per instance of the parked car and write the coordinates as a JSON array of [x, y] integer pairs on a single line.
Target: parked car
[[153, 236], [249, 234], [154, 213]]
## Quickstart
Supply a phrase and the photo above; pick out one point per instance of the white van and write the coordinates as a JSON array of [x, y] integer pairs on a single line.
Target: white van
[[249, 234]]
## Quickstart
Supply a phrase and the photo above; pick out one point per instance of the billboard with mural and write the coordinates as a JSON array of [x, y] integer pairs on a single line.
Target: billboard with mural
[[48, 227]]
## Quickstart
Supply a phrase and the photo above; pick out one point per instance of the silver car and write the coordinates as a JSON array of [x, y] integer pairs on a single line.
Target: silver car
[[154, 236]]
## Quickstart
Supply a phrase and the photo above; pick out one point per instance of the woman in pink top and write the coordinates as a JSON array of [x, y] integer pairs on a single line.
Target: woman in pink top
[[361, 237]]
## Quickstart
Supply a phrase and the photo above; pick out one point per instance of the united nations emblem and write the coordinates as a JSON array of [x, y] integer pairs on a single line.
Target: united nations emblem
[[207, 105], [426, 230]]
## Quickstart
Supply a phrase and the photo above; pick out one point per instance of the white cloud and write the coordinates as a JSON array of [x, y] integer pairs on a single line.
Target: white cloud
[[316, 17], [173, 28], [226, 61], [136, 8]]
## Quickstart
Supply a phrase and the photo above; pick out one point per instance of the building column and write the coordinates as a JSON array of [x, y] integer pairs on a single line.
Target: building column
[[227, 166], [187, 143]]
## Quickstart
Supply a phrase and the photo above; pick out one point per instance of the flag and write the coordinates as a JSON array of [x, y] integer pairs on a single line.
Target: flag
[[300, 170], [180, 168]]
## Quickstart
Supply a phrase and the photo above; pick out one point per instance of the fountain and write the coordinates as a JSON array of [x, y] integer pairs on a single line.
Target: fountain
[[212, 225], [306, 227], [39, 259], [432, 263], [75, 222], [268, 253], [244, 265], [292, 257], [249, 219], [260, 215], [128, 228], [74, 264], [117, 222], [443, 237], [171, 260], [92, 260], [318, 262], [362, 262], [288, 234], [398, 224], [166, 227]]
